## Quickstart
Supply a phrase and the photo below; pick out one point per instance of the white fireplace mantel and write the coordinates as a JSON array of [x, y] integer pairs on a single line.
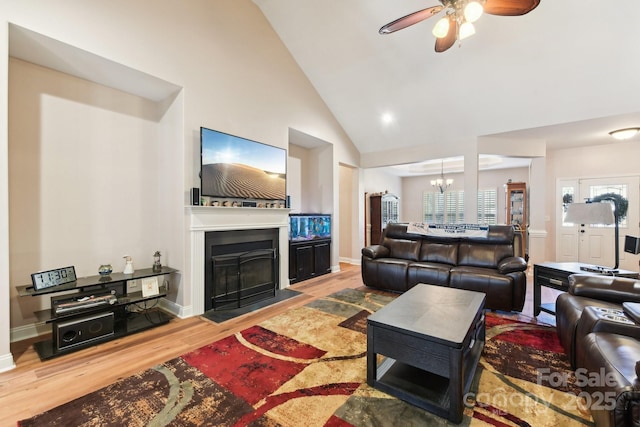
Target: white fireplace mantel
[[210, 218]]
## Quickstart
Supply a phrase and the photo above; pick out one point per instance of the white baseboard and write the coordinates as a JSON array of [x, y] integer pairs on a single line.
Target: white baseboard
[[176, 309], [28, 331], [350, 261], [6, 362]]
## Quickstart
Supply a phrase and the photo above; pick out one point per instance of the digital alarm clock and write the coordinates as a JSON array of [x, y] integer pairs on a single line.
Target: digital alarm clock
[[56, 277]]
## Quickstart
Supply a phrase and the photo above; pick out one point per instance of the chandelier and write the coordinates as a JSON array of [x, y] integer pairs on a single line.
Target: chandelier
[[440, 183]]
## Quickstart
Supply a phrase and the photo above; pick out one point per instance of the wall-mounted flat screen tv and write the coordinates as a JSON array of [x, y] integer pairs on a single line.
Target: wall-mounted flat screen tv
[[235, 167], [309, 227]]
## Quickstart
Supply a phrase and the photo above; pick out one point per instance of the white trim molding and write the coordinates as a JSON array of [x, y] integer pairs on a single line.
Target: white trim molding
[[537, 234], [6, 362]]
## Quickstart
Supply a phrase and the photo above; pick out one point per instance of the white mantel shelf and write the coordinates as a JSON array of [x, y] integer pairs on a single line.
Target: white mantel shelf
[[228, 218], [215, 218]]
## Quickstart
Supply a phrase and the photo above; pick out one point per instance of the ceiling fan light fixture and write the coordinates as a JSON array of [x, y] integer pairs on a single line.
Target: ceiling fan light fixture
[[622, 134], [473, 11], [466, 30], [441, 29], [460, 17]]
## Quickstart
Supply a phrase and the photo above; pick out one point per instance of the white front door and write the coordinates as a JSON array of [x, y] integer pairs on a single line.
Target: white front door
[[594, 244], [567, 233]]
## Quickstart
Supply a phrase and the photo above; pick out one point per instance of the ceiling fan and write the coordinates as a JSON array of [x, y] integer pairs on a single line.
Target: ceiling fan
[[457, 24]]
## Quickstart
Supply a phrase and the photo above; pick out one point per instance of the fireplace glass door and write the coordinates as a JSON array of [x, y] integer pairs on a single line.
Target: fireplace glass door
[[241, 279]]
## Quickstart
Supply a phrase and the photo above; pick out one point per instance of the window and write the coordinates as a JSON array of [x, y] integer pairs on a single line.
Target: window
[[599, 190], [448, 207], [488, 206], [443, 208], [568, 196]]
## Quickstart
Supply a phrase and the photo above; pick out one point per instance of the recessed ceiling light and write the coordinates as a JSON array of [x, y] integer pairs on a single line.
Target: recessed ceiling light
[[622, 134], [387, 118]]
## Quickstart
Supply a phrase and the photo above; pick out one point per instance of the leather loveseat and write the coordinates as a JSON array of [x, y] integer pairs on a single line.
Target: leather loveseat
[[485, 264], [597, 323]]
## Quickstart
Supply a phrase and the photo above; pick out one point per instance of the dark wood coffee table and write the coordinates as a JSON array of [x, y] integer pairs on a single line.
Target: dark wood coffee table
[[433, 337]]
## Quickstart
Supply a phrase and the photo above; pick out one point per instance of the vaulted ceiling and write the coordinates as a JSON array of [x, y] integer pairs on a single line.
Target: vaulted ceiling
[[565, 75]]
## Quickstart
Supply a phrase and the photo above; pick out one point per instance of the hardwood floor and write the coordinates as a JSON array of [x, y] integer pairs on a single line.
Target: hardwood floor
[[35, 386]]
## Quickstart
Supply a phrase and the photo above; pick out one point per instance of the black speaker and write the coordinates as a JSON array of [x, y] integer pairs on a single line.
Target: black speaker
[[195, 196], [83, 330], [632, 245]]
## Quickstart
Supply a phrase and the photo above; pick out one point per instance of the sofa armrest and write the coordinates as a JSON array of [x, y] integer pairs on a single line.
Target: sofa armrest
[[512, 264], [606, 288], [375, 251]]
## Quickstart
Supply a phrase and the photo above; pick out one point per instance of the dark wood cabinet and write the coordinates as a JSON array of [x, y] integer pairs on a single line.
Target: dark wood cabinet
[[383, 209], [517, 210], [309, 259]]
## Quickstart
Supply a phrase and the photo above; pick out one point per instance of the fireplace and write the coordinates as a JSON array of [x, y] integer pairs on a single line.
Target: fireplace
[[204, 219], [241, 267]]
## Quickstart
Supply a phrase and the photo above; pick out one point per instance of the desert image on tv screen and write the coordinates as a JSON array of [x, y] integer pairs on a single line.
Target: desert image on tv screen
[[239, 168]]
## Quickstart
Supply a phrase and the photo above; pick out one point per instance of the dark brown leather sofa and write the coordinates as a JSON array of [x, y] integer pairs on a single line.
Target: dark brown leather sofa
[[597, 323], [484, 264]]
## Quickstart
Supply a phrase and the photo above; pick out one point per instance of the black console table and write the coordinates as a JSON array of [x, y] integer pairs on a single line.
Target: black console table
[[555, 275], [112, 310]]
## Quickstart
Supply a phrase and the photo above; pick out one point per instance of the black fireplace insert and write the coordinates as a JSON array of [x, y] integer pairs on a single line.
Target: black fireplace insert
[[241, 267]]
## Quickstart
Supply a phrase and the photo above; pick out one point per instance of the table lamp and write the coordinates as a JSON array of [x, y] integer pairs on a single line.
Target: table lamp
[[596, 213]]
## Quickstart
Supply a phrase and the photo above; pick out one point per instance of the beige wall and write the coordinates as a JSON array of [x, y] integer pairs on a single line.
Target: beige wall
[[235, 76], [89, 180]]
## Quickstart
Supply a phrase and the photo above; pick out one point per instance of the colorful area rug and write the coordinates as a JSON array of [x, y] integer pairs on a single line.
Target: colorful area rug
[[307, 367]]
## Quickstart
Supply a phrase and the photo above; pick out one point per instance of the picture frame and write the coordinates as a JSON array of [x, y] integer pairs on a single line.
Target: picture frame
[[150, 286]]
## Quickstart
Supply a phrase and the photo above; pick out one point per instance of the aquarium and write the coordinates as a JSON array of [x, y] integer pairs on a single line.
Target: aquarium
[[304, 227]]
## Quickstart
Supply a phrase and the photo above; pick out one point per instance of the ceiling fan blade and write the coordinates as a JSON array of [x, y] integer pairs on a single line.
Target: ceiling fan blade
[[412, 18], [510, 7], [449, 40]]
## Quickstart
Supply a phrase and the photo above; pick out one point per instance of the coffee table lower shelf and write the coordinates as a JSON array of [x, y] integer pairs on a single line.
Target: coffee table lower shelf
[[422, 388]]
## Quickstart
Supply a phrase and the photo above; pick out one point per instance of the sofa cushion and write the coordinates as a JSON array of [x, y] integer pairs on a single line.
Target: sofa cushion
[[402, 249], [439, 252], [498, 287], [428, 272], [386, 273], [477, 254]]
